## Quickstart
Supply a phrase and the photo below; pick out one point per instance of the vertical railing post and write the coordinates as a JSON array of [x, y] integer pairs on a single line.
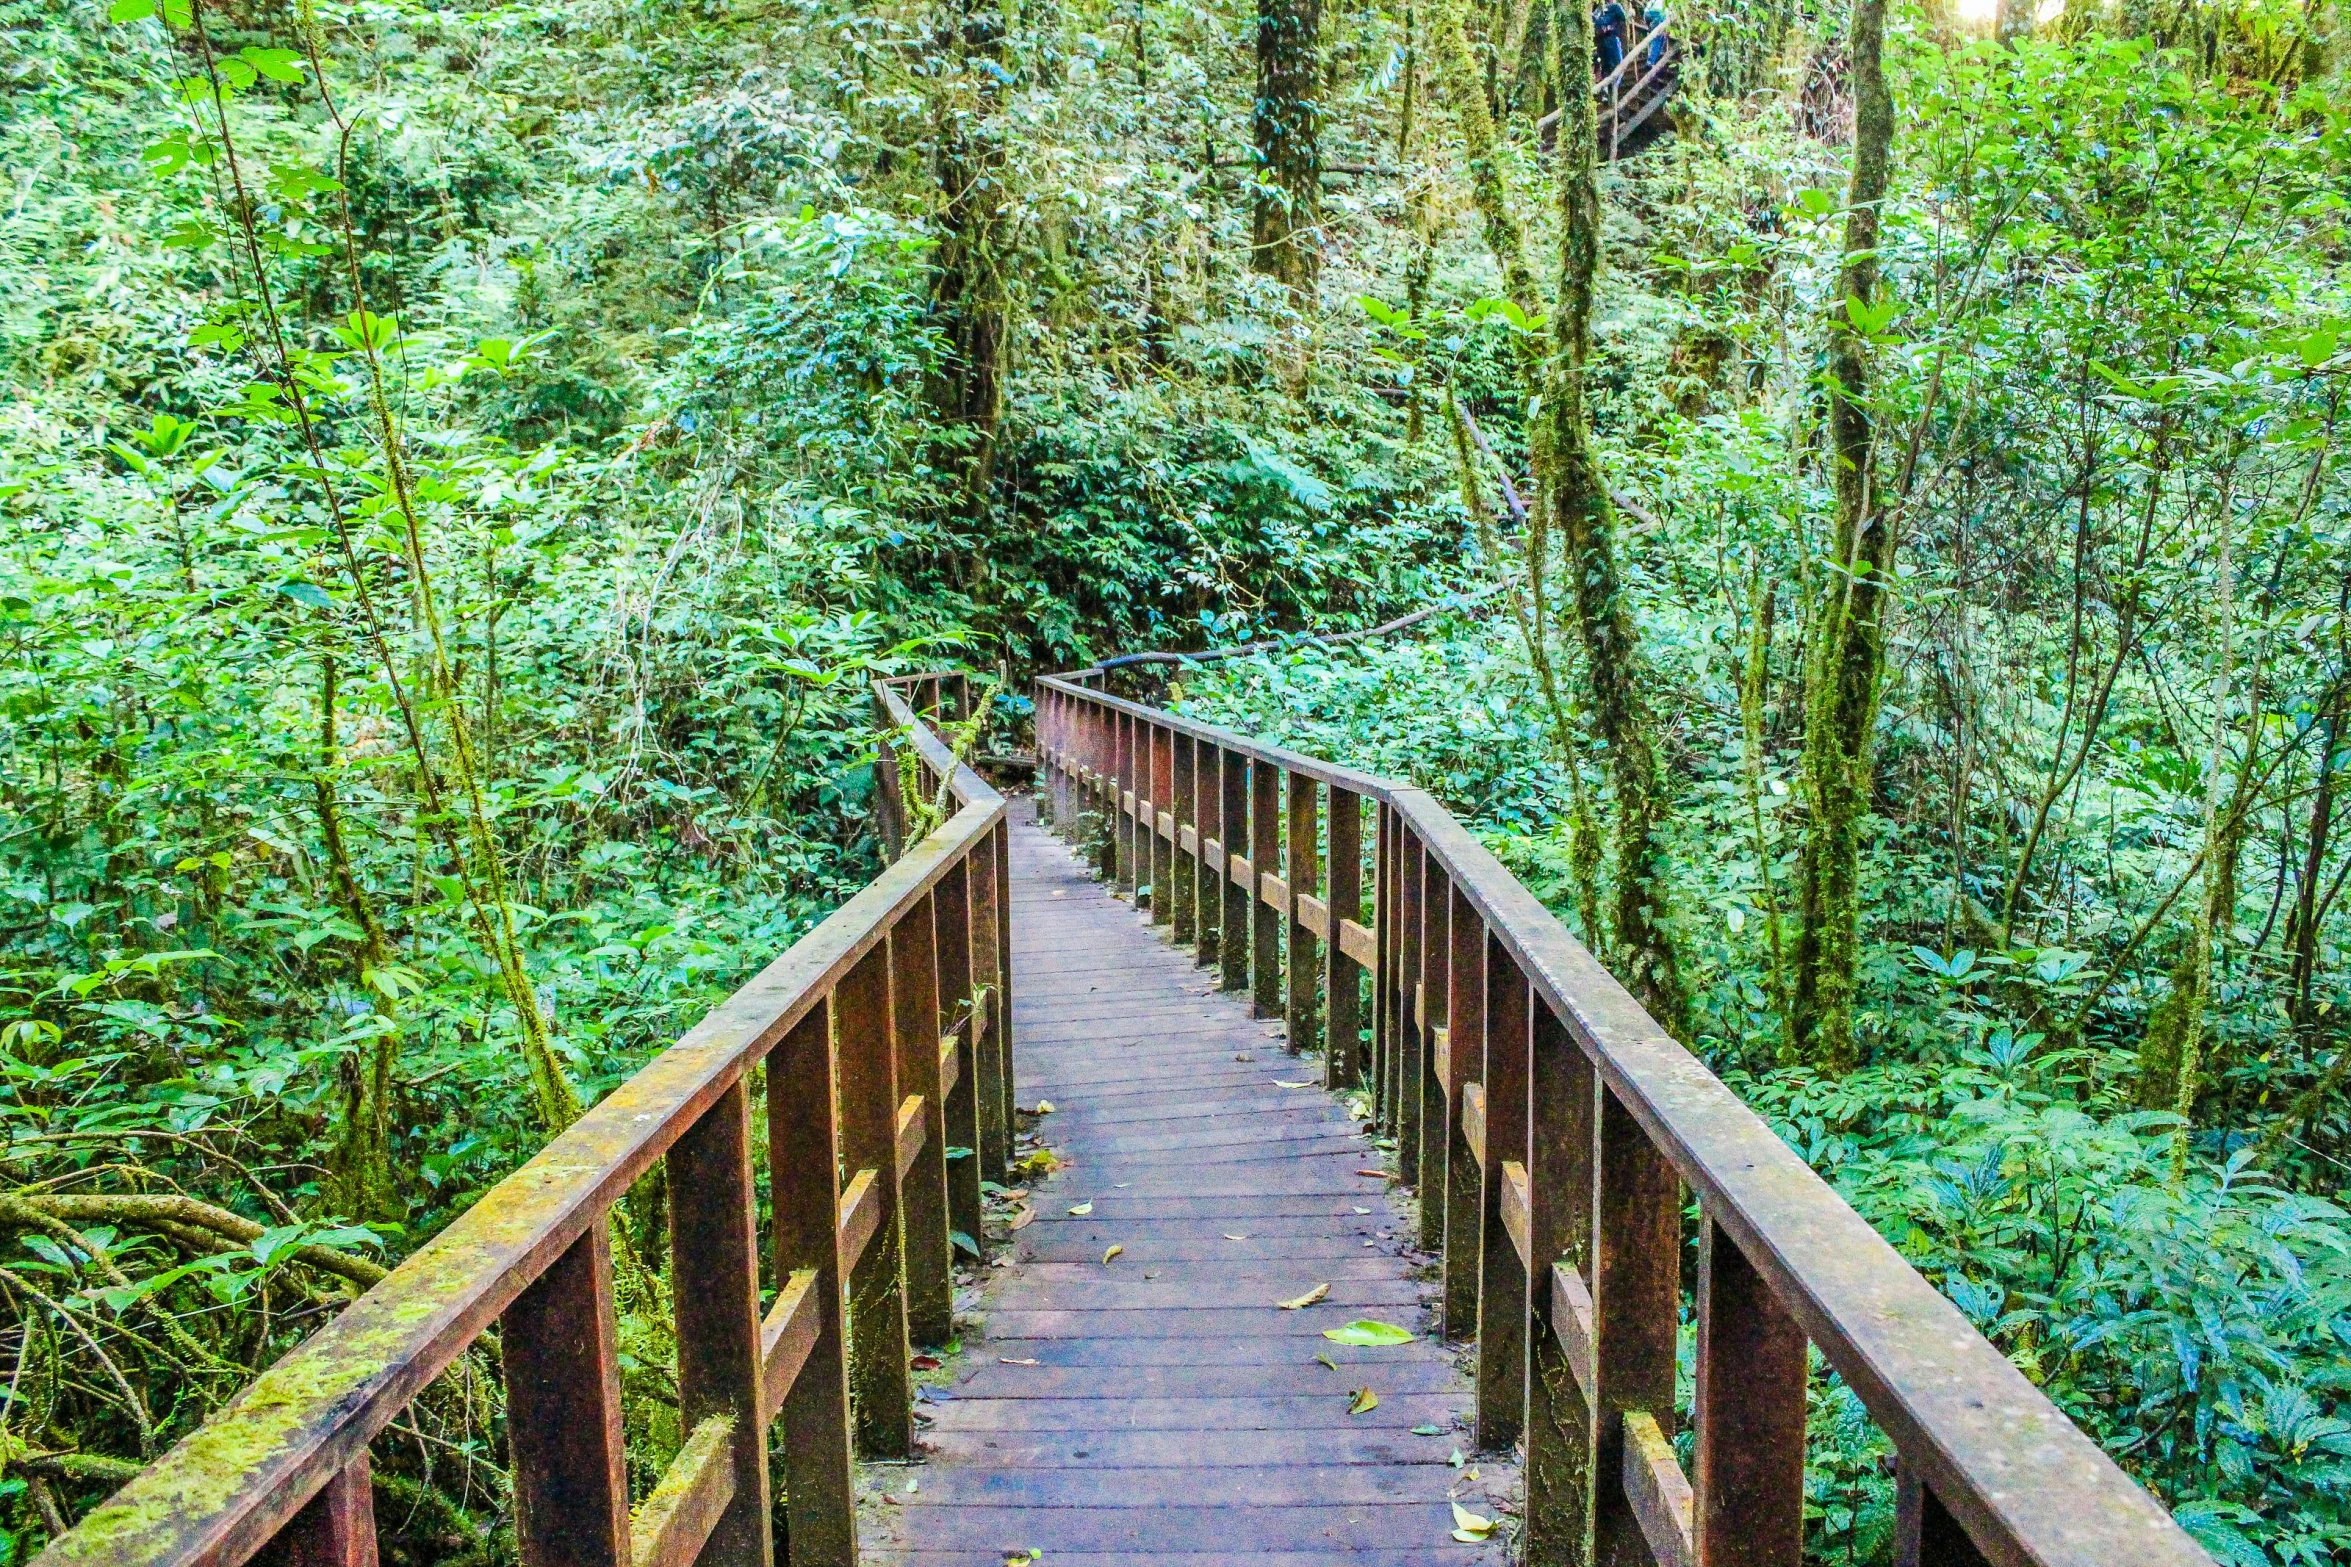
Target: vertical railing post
[[1502, 1274], [1434, 1142], [1002, 945], [714, 1289], [1122, 794], [1408, 1042], [1925, 1533], [1064, 744], [1162, 804], [1387, 922], [1102, 841], [1562, 1111], [868, 1059], [561, 1350], [1208, 883], [1636, 1291], [1462, 1189], [1304, 859], [335, 1528], [1265, 859], [987, 1013], [952, 902], [1183, 875], [1233, 832], [1748, 1411], [922, 1194], [1343, 1066], [804, 1184]]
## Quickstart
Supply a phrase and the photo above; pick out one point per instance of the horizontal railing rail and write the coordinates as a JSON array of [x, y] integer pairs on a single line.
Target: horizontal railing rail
[[885, 1038], [1551, 1129]]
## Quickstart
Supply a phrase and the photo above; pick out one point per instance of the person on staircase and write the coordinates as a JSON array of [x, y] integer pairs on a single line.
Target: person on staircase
[[1653, 23], [1608, 27]]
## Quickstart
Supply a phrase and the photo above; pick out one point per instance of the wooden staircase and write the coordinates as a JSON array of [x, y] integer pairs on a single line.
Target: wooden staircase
[[1630, 97]]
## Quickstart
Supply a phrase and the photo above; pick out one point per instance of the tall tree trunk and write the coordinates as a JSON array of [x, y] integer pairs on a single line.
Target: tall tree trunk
[[1568, 475], [1845, 660], [1571, 500], [362, 1185], [1289, 172], [2171, 1053], [2302, 924], [968, 294]]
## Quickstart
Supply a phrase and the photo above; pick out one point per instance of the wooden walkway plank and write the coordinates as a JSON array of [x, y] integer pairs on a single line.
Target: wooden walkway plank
[[1163, 1404]]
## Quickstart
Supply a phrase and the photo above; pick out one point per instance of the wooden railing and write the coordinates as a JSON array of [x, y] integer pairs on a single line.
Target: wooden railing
[[1551, 1131], [884, 1035]]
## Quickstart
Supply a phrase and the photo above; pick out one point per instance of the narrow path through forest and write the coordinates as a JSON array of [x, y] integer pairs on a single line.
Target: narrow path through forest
[[1163, 1403]]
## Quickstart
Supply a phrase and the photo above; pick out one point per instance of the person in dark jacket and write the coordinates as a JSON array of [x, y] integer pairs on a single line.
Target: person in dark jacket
[[1653, 19], [1608, 24]]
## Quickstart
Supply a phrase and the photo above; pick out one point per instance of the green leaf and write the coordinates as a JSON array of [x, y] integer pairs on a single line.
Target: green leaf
[[279, 65], [130, 10], [1368, 1334], [306, 593], [1870, 319]]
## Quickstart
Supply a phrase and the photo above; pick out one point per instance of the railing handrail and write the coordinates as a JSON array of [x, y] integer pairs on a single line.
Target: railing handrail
[[2024, 1483], [229, 1488]]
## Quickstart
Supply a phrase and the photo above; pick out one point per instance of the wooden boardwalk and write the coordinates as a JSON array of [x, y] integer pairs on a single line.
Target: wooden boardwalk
[[1163, 1404]]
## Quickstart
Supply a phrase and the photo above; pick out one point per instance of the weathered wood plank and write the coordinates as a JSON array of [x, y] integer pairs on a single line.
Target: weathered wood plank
[[1169, 1383]]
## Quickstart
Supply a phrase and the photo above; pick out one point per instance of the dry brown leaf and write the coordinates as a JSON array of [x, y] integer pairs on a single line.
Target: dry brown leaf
[[1364, 1402], [1112, 1252], [1307, 1299]]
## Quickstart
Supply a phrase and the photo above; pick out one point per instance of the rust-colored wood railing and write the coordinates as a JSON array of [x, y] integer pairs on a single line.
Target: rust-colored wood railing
[[885, 1038], [1551, 1131]]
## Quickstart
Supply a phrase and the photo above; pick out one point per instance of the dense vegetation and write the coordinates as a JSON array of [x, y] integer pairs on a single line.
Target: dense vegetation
[[459, 469]]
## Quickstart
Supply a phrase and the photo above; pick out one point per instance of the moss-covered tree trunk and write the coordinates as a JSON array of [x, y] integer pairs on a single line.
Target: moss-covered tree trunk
[[362, 1186], [1560, 443], [969, 298], [1284, 120], [1845, 655], [1571, 499]]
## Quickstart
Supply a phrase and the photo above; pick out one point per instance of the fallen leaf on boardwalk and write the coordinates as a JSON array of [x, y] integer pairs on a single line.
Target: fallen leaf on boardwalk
[[1307, 1299], [1326, 1360], [1244, 1058], [1469, 1526], [1007, 1360], [1230, 1236], [1370, 1335], [1428, 1430], [1456, 1459], [1122, 1185], [1278, 1083], [1112, 1252], [1044, 1107], [925, 1362], [1363, 1210], [1083, 1208], [1365, 1401], [1023, 1219], [1382, 1174]]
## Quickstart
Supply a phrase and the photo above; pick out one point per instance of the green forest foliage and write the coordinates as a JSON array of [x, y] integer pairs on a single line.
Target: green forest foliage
[[459, 469], [2115, 332]]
